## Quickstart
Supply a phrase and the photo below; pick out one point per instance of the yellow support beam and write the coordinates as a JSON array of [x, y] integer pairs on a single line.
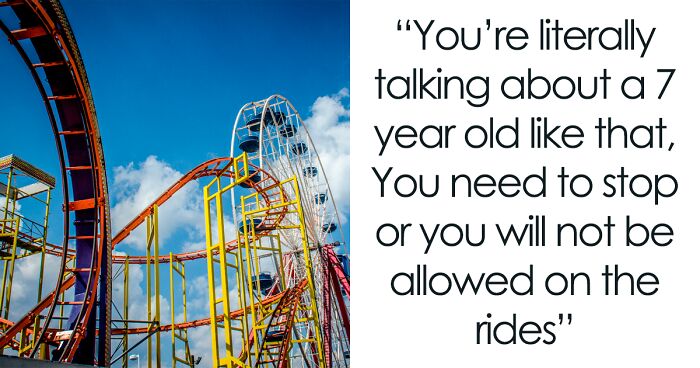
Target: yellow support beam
[[125, 305], [256, 252], [153, 286], [21, 236], [178, 267], [309, 276], [9, 268], [215, 194], [250, 247]]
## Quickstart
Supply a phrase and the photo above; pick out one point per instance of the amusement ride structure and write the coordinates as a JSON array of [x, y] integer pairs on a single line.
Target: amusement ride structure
[[275, 260]]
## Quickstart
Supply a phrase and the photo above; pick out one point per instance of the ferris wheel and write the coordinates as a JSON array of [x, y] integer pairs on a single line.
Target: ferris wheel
[[277, 141]]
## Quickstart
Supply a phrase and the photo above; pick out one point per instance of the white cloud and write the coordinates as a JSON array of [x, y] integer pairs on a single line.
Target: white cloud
[[137, 186], [26, 283], [17, 204], [329, 126]]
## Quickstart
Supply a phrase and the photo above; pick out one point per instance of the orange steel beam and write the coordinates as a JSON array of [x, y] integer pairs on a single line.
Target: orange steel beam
[[204, 169], [27, 320], [11, 3], [121, 331], [213, 167], [24, 33]]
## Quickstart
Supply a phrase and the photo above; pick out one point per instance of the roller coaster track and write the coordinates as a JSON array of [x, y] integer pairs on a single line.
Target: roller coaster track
[[213, 167], [63, 85], [272, 299], [275, 342]]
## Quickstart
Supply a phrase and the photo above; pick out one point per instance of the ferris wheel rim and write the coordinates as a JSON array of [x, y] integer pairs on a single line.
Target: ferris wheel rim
[[265, 106]]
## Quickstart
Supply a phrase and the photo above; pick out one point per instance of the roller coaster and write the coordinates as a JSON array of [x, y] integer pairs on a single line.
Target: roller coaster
[[274, 255]]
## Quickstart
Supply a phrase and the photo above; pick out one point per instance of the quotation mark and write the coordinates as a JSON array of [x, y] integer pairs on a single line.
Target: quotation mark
[[408, 25], [561, 318]]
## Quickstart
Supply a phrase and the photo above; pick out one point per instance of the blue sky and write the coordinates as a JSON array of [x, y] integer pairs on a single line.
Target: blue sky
[[160, 70], [176, 72], [168, 78]]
